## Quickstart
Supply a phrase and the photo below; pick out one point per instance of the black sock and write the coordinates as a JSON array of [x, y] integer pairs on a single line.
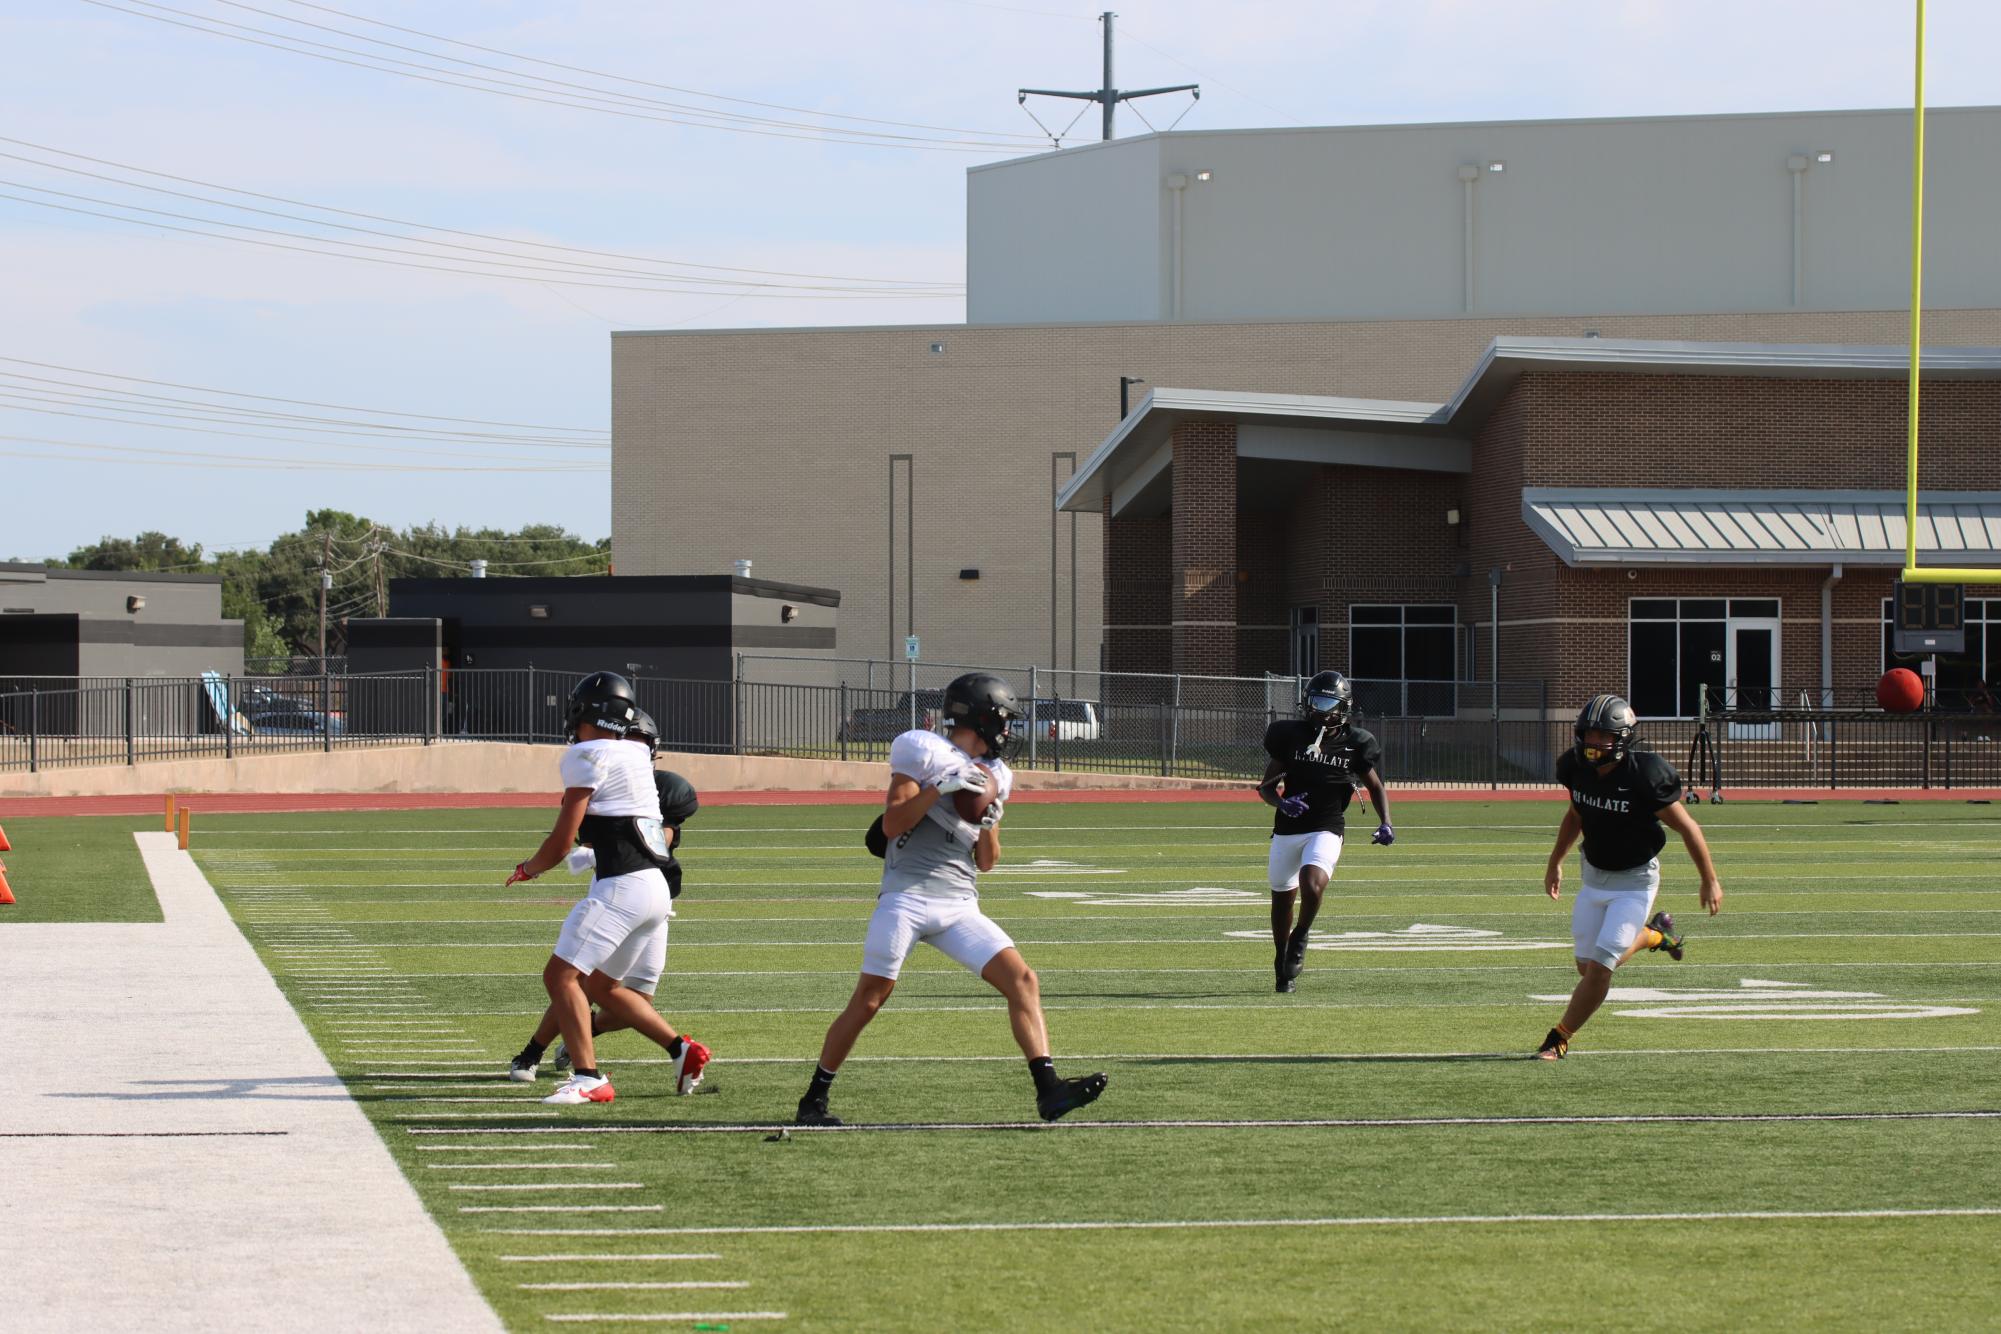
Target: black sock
[[587, 1072], [1043, 1071], [823, 1079], [674, 1047], [531, 1053]]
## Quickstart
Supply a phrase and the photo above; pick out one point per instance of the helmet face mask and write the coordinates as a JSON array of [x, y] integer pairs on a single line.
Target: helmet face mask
[[1614, 718], [1329, 700], [644, 730], [985, 705]]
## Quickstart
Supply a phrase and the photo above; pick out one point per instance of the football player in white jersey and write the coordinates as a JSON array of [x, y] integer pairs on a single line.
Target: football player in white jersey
[[678, 804], [931, 859], [617, 935]]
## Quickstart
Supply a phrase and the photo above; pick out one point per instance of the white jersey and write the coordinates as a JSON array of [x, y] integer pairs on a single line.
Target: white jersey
[[619, 774], [936, 857]]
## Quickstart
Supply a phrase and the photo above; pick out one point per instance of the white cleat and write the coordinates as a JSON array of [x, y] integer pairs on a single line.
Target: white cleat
[[580, 1089], [521, 1074], [688, 1066]]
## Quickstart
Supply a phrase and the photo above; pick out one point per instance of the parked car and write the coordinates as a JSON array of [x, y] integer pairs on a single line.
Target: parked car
[[1065, 719], [890, 723], [294, 721]]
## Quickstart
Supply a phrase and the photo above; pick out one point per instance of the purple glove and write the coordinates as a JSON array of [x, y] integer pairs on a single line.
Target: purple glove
[[1384, 834], [1293, 807]]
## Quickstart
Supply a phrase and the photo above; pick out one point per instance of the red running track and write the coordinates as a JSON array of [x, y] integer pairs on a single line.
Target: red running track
[[253, 803]]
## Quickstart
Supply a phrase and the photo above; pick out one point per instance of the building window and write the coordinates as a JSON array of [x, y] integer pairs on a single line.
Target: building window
[[1679, 648], [1305, 623], [1957, 681], [1402, 659]]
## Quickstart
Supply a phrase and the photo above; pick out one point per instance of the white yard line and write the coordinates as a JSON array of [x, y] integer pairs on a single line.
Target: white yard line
[[1302, 1123], [1163, 1225], [200, 1151]]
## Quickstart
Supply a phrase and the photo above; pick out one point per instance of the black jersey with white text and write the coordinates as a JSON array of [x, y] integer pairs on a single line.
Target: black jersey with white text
[[1620, 811], [1322, 764]]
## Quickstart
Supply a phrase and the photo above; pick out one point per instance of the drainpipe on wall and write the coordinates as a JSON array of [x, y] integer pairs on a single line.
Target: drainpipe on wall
[[1827, 637], [1468, 175], [1177, 185], [1797, 165]]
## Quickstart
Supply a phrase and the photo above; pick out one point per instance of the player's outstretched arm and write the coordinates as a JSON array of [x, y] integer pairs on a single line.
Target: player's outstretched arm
[[556, 847], [1567, 834], [1676, 817]]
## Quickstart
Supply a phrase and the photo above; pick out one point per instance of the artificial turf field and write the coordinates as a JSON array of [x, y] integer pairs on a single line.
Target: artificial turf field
[[1801, 1070]]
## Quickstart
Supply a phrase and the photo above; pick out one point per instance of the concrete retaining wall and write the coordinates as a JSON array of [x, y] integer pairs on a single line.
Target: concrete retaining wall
[[495, 767]]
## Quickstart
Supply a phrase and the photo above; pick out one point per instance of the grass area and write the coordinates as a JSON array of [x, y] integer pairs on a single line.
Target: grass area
[[1856, 973], [77, 870]]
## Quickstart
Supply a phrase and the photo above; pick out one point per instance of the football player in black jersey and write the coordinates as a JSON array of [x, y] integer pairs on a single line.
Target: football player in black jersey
[[1316, 760], [1622, 801]]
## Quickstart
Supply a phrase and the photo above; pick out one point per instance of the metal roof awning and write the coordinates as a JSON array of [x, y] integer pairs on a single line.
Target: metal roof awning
[[1589, 526]]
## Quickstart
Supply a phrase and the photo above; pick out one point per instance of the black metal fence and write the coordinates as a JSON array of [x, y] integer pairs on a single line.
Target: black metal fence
[[1188, 727]]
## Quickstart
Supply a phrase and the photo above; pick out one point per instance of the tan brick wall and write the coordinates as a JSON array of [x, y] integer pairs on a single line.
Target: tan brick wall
[[773, 444]]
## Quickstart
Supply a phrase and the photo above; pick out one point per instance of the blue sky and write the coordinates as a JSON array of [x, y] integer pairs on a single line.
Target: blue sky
[[121, 82]]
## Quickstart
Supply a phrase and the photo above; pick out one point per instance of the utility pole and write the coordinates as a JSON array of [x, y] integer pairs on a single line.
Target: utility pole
[[326, 582], [1108, 96], [1126, 382], [381, 591]]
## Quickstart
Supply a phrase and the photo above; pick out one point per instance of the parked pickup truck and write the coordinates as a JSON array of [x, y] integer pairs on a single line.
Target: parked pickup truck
[[1065, 719], [890, 723]]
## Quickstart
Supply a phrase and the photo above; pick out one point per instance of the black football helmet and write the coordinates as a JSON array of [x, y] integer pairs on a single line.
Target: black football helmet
[[602, 699], [1329, 700], [986, 704], [644, 729], [1607, 713]]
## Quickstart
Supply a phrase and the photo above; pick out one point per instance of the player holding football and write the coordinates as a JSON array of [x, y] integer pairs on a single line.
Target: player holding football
[[618, 933], [678, 804], [932, 852], [1620, 799], [1316, 759]]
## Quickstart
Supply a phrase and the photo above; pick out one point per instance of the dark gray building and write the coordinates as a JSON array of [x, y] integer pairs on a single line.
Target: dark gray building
[[676, 636], [114, 623]]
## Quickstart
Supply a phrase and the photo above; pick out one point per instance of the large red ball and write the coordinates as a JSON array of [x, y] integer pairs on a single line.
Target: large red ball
[[971, 805], [1900, 691]]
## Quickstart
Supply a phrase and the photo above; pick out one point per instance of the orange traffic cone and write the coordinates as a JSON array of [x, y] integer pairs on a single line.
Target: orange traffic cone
[[5, 846], [6, 894]]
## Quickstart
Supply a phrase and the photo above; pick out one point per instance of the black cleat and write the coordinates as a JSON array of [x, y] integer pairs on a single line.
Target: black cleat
[[1554, 1047], [1068, 1095], [813, 1112], [1664, 923], [1293, 963], [1285, 982]]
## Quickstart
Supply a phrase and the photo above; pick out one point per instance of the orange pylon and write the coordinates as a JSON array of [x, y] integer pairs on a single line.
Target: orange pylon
[[170, 812], [184, 829], [6, 894], [5, 846]]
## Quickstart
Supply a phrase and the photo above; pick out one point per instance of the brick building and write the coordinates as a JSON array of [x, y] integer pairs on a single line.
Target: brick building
[[1650, 517]]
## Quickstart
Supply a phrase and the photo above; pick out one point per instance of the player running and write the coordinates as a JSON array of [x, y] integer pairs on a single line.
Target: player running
[[1620, 799], [931, 859], [1316, 759], [678, 804], [613, 945]]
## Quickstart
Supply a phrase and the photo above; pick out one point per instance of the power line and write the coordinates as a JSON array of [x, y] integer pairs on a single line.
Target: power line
[[431, 227], [114, 453], [1210, 78], [173, 409], [642, 83], [371, 259], [547, 91], [296, 402], [553, 270]]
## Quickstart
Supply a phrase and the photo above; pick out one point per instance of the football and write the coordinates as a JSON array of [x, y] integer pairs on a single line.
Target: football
[[971, 805]]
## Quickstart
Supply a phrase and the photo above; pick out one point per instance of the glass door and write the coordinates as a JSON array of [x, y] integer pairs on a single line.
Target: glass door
[[1751, 674]]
